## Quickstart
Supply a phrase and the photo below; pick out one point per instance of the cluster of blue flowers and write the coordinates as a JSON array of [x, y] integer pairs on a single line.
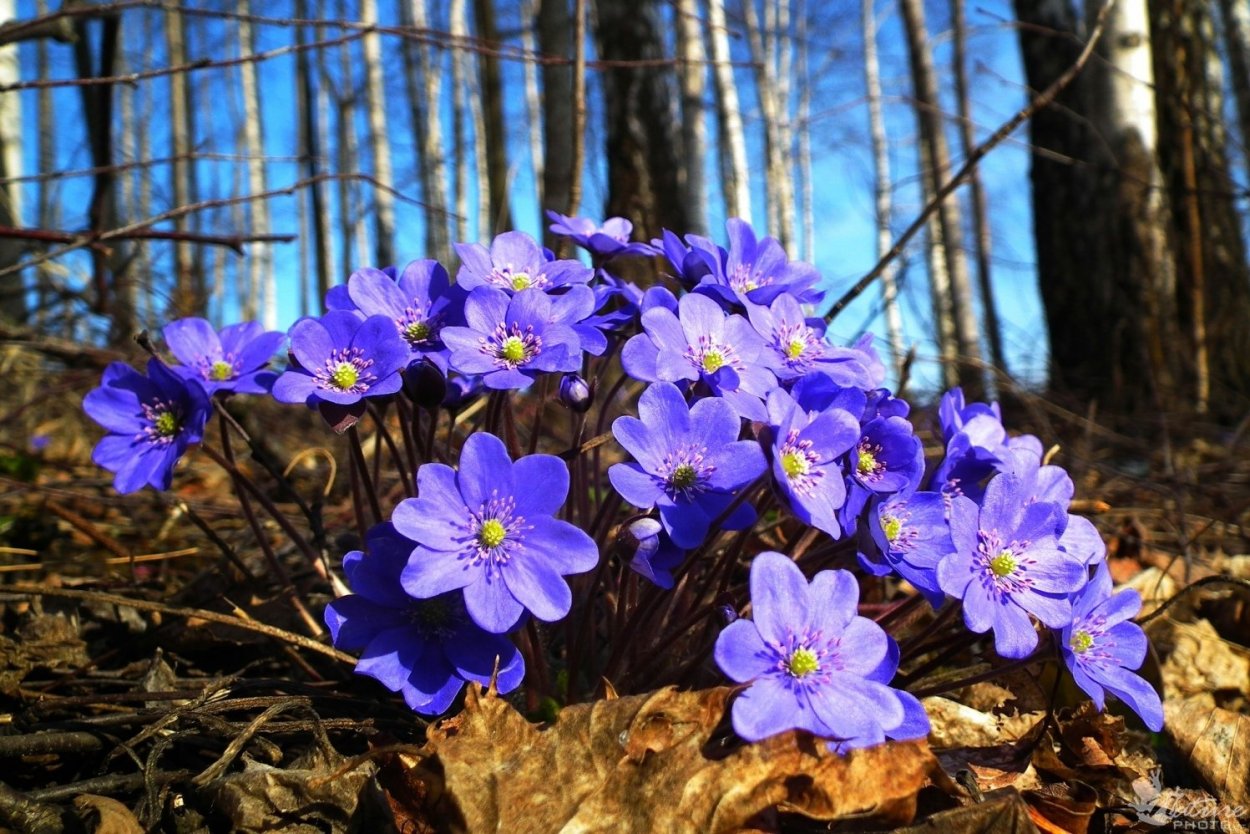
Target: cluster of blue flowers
[[745, 399]]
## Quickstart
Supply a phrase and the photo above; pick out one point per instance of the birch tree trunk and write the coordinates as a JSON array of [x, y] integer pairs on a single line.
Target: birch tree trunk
[[188, 297], [935, 171], [379, 140], [310, 154], [779, 186], [692, 74], [881, 186], [261, 302], [45, 163], [12, 290], [555, 39], [468, 108], [425, 95], [533, 104], [351, 221], [495, 136], [733, 148], [803, 123]]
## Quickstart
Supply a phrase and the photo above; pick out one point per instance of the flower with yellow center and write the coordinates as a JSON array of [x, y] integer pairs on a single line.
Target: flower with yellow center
[[1081, 642], [713, 361], [491, 534], [345, 376], [1003, 565], [165, 424], [220, 371], [802, 663]]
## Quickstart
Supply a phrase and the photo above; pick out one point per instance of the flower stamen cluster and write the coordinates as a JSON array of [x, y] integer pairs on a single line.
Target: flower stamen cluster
[[164, 422], [346, 370]]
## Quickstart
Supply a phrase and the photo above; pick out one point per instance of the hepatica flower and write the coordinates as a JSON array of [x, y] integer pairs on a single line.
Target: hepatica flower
[[702, 343], [811, 663], [489, 529], [807, 452], [796, 345], [909, 536], [1103, 645], [689, 462], [758, 271], [342, 359], [235, 360], [423, 649], [1007, 565], [513, 263], [151, 420], [604, 241], [421, 302], [509, 340]]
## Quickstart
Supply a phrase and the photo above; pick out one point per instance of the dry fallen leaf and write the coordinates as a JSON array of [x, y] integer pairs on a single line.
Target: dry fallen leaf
[[106, 816], [1217, 743], [647, 763], [1199, 660]]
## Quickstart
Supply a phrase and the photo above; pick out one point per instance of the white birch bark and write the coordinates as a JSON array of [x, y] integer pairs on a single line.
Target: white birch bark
[[427, 100], [779, 187], [804, 130], [469, 107], [733, 147], [692, 74], [261, 302], [533, 104], [379, 139]]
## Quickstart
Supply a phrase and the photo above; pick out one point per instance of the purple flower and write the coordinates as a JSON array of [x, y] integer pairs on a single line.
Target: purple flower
[[604, 241], [515, 262], [423, 649], [575, 393], [151, 420], [888, 458], [421, 302], [234, 360], [812, 663], [342, 359], [908, 535], [807, 452], [655, 556], [702, 343], [977, 446], [1102, 645], [797, 346], [689, 462], [509, 340], [757, 271], [1007, 565], [489, 529]]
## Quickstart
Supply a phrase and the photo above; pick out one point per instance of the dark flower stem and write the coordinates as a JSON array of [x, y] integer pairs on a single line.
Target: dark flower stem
[[409, 425], [384, 433], [362, 468], [544, 390], [1044, 654]]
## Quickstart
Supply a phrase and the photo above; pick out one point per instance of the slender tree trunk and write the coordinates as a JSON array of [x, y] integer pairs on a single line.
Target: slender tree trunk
[[460, 118], [347, 156], [261, 301], [555, 39], [1235, 17], [379, 140], [45, 164], [733, 148], [881, 186], [188, 298], [495, 136], [642, 139], [12, 289], [533, 104], [467, 105], [803, 122], [425, 94], [778, 184], [310, 155], [693, 74], [980, 221], [950, 225]]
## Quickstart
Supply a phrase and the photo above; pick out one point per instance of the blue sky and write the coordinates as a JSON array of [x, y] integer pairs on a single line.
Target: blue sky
[[844, 237]]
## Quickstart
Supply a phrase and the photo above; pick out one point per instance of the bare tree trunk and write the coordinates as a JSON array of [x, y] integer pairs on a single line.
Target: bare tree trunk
[[692, 74], [468, 106], [188, 298], [45, 164], [310, 155], [803, 69], [425, 94], [533, 105], [555, 39], [148, 306], [733, 148], [379, 140], [261, 300], [495, 137], [12, 289], [980, 222], [642, 139], [881, 185], [933, 140], [1235, 17], [779, 187]]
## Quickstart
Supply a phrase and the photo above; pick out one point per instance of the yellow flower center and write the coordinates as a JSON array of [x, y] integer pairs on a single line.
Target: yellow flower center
[[683, 476], [795, 349], [166, 424], [891, 526], [1003, 564], [345, 376], [866, 463], [794, 464], [1081, 641], [802, 663], [512, 349], [491, 534], [521, 280], [417, 331], [220, 371], [713, 361]]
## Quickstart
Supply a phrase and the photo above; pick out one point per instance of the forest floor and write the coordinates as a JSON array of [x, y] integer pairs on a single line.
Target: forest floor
[[156, 675]]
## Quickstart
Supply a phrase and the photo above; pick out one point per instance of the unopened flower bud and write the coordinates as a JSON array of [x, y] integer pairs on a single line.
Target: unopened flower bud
[[575, 393], [424, 384]]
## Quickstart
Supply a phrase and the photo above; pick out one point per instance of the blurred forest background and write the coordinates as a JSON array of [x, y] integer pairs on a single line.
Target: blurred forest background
[[235, 160]]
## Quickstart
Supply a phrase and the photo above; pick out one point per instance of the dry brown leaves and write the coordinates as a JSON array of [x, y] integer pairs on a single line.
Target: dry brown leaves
[[644, 763]]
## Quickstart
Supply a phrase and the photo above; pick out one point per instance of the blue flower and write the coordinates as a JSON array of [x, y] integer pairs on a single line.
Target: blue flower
[[515, 262], [907, 534], [421, 302], [489, 528], [797, 346], [1102, 645], [1007, 565], [423, 649], [151, 420], [702, 343], [807, 452], [689, 463], [340, 359], [812, 663], [605, 241], [888, 458], [655, 556], [235, 360], [509, 340]]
